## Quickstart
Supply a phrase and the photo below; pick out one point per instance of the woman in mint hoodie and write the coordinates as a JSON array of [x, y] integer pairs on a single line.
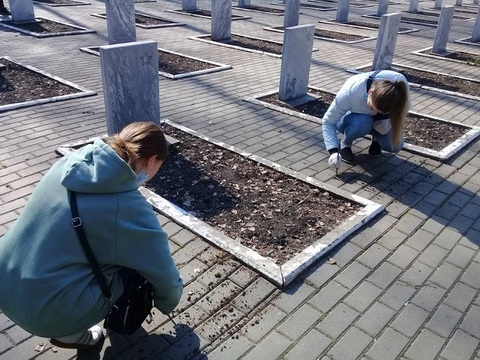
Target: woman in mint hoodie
[[47, 285]]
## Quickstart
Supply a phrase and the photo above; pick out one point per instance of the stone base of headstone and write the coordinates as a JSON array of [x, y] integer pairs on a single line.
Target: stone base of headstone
[[130, 83]]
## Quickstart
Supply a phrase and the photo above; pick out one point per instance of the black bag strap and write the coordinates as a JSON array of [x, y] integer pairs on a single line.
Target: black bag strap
[[371, 78], [78, 225]]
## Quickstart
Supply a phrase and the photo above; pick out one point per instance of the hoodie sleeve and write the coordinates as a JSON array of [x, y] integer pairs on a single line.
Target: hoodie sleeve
[[141, 244]]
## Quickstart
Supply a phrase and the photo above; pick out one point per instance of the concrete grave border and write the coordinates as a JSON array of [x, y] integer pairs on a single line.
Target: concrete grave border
[[219, 66], [433, 56], [172, 23], [83, 92], [467, 42], [363, 27], [201, 38], [81, 30], [75, 3], [279, 275], [180, 11], [441, 155], [367, 38], [424, 87]]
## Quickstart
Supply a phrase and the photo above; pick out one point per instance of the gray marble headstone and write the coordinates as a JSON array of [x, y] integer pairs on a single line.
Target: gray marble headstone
[[438, 4], [458, 2], [130, 83], [413, 6], [386, 41], [476, 29], [296, 59], [292, 13], [244, 3], [221, 20], [475, 1], [343, 8], [382, 7], [22, 10], [443, 29], [120, 21], [189, 5]]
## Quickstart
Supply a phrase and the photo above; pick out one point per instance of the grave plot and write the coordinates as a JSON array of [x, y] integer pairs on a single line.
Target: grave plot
[[263, 9], [331, 35], [207, 14], [416, 20], [319, 6], [365, 25], [55, 3], [435, 81], [23, 85], [148, 21], [43, 27], [174, 65], [275, 220], [451, 55], [425, 135], [468, 41], [246, 43]]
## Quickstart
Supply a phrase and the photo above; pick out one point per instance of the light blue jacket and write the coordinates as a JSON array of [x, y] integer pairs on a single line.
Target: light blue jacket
[[47, 285], [352, 97]]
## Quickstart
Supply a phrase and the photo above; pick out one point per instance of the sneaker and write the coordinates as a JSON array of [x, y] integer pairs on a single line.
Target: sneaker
[[4, 11], [84, 341], [347, 155], [375, 150]]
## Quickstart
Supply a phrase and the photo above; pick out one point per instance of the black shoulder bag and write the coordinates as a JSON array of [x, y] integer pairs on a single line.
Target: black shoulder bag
[[132, 308]]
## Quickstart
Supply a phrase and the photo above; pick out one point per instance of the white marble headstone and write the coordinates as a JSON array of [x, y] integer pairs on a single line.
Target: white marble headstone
[[120, 21], [438, 4], [22, 10], [221, 20], [413, 6], [386, 41], [443, 29], [189, 5], [476, 28], [382, 7], [296, 59], [342, 11], [244, 3], [458, 2], [130, 83], [292, 13]]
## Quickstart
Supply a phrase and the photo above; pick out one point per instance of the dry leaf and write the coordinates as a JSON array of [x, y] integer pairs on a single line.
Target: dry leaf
[[332, 261], [40, 347]]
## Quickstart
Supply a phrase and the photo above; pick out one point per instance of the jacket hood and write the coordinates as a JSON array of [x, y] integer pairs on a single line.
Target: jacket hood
[[96, 168]]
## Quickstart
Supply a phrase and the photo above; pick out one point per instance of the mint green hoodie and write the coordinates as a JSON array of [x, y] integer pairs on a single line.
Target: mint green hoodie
[[47, 285]]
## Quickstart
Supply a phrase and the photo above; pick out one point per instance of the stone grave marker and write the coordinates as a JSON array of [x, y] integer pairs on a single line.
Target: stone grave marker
[[292, 13], [443, 29], [120, 21], [22, 10], [458, 2], [382, 7], [189, 5], [296, 59], [476, 28], [413, 6], [221, 20], [476, 2], [438, 4], [343, 9], [244, 3], [386, 41], [130, 83]]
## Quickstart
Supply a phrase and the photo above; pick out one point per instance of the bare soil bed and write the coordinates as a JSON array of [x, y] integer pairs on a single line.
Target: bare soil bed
[[469, 58], [333, 34], [261, 9], [253, 44], [265, 210], [420, 131], [60, 2], [42, 26], [146, 20], [205, 13]]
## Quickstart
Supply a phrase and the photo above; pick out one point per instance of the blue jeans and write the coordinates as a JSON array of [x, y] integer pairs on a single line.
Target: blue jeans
[[354, 126]]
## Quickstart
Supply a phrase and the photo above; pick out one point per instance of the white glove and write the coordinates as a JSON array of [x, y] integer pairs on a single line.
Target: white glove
[[335, 160]]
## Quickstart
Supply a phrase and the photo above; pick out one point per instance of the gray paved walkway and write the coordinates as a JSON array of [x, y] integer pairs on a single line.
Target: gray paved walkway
[[404, 287]]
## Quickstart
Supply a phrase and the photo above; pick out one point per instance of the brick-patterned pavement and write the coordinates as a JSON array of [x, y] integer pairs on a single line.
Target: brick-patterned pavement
[[403, 287]]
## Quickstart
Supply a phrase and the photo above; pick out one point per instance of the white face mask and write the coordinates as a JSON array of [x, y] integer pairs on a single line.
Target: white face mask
[[142, 176]]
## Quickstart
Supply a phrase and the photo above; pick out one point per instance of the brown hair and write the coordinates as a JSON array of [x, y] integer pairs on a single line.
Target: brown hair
[[392, 97], [139, 140]]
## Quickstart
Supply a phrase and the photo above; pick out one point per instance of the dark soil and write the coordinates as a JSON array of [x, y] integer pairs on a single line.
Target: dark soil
[[262, 9], [338, 35], [146, 20], [59, 2], [263, 209], [437, 14], [254, 44], [471, 59], [19, 84], [42, 26], [206, 13], [370, 25], [177, 64], [421, 131]]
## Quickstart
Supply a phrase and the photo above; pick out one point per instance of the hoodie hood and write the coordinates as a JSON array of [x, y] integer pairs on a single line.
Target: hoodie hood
[[96, 168]]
